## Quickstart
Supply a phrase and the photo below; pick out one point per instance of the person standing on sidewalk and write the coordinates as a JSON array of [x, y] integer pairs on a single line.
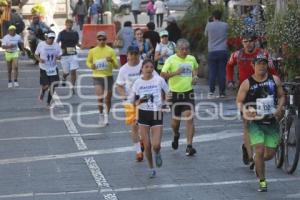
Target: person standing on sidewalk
[[126, 35], [217, 32], [47, 53], [148, 93], [159, 7], [69, 60], [150, 10], [94, 11], [80, 12], [11, 43], [181, 71], [102, 59], [136, 9]]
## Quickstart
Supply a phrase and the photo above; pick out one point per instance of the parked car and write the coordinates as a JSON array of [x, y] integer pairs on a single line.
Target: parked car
[[121, 6], [178, 4]]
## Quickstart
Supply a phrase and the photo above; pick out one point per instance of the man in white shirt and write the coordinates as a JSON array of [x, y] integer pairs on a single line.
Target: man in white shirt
[[128, 74], [11, 43], [47, 53]]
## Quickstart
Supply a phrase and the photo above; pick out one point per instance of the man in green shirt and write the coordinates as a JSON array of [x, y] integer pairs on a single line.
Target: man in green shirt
[[181, 71]]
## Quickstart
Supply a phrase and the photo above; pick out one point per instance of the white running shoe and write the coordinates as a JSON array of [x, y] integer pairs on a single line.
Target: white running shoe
[[10, 85], [16, 84], [102, 120]]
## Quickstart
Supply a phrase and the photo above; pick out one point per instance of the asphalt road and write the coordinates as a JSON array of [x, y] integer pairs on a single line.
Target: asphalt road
[[64, 155]]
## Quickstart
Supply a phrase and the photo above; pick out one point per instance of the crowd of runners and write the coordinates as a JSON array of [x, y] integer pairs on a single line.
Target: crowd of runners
[[155, 77]]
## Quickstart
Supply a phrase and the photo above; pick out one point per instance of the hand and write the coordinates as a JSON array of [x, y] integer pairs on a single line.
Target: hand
[[178, 72], [250, 113], [169, 97], [41, 61], [279, 114], [195, 80], [11, 46]]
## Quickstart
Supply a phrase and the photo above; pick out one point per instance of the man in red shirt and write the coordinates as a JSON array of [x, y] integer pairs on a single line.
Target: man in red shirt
[[243, 60]]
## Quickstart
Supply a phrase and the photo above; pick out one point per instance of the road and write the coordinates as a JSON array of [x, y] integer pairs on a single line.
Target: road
[[64, 155]]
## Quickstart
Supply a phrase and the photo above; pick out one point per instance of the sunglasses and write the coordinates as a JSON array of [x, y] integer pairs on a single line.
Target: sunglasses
[[51, 38], [101, 39]]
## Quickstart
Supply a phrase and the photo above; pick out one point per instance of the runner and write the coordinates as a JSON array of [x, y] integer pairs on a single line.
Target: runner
[[163, 50], [243, 60], [128, 74], [257, 97], [102, 59], [47, 53], [148, 92], [10, 43], [181, 71], [69, 60]]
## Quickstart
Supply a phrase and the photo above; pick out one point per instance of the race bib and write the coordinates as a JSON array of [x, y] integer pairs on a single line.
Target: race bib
[[186, 69], [51, 71], [101, 64], [71, 50], [265, 106]]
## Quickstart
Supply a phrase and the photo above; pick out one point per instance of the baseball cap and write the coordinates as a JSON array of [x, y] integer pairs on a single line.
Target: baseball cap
[[163, 33], [171, 19], [51, 35], [260, 57], [133, 49], [101, 33], [12, 27]]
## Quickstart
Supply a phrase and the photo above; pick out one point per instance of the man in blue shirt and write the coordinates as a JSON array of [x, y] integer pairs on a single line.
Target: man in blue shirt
[[94, 12]]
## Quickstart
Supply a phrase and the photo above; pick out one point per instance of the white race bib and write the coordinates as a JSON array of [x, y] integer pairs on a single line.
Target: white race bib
[[101, 64], [186, 69], [71, 50], [265, 106], [51, 70]]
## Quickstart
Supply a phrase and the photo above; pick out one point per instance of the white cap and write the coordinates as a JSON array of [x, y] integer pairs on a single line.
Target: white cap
[[51, 35]]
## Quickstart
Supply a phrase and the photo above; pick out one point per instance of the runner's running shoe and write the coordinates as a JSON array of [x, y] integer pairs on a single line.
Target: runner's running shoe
[[190, 151], [158, 160], [10, 85], [16, 84], [152, 173], [263, 187]]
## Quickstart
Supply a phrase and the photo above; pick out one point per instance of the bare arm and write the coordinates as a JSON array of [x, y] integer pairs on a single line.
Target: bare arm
[[241, 96], [167, 75], [121, 91]]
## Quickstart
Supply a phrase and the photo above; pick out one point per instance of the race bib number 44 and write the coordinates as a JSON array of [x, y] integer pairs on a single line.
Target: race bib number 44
[[101, 64]]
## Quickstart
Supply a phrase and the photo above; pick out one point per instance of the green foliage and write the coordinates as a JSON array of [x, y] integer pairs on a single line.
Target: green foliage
[[194, 22], [283, 36]]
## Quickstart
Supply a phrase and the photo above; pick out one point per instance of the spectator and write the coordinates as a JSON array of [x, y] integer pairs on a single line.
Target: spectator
[[94, 11], [217, 32], [126, 34], [80, 12], [136, 9], [150, 10], [17, 21], [173, 29], [151, 34], [159, 7], [144, 45]]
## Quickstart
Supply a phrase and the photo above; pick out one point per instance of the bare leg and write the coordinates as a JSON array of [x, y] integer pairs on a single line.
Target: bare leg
[[145, 133], [190, 129], [15, 69], [9, 70], [99, 93], [156, 134], [259, 161]]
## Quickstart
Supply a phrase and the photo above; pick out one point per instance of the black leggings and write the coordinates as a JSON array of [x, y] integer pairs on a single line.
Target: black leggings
[[159, 19]]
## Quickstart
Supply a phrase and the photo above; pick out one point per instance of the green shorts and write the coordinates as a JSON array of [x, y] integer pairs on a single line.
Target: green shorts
[[268, 135], [11, 56]]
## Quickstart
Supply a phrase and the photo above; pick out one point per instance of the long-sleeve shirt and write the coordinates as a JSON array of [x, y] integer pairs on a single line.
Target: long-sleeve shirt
[[243, 61]]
